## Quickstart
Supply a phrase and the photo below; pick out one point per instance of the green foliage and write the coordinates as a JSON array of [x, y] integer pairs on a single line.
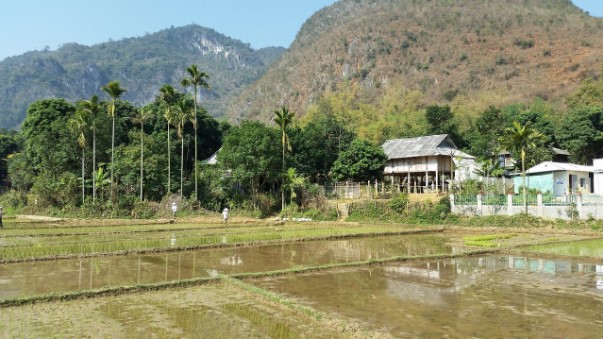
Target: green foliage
[[59, 190], [440, 120], [399, 203], [47, 121], [482, 137], [251, 153], [317, 145], [523, 43], [581, 133], [416, 213], [360, 162]]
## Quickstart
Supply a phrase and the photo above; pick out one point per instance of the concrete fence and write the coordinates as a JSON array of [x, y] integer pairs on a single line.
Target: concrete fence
[[567, 207]]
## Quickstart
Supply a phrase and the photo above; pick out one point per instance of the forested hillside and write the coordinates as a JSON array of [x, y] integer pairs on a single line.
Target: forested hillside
[[142, 64], [383, 61]]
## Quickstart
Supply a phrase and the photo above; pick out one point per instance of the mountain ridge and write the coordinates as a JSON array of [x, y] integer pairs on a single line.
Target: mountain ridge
[[142, 64], [466, 53]]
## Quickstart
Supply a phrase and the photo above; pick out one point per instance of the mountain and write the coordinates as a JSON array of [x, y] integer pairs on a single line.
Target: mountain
[[465, 53], [142, 64]]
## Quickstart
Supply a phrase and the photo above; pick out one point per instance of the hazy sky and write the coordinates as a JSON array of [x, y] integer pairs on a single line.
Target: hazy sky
[[28, 25]]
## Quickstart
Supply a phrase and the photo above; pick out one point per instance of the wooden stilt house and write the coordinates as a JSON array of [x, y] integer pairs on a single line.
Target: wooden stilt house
[[426, 164]]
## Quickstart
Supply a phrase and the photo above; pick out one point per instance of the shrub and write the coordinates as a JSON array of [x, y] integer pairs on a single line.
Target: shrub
[[524, 44], [399, 203]]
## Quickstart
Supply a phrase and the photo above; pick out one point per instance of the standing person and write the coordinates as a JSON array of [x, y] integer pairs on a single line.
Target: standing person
[[1, 226], [174, 209], [225, 215]]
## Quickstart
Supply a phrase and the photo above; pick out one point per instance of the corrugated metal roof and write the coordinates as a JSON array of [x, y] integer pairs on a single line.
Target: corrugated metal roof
[[429, 145], [559, 151], [549, 166]]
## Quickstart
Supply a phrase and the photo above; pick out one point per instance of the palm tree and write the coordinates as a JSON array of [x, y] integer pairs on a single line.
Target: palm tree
[[183, 113], [167, 96], [196, 79], [92, 107], [141, 117], [283, 119], [114, 90], [519, 139], [78, 123]]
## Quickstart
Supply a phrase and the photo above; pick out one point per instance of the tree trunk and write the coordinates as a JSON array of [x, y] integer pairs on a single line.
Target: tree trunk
[[94, 163], [141, 159], [83, 183]]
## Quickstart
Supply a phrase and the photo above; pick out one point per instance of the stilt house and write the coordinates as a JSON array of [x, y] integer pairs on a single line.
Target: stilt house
[[427, 163]]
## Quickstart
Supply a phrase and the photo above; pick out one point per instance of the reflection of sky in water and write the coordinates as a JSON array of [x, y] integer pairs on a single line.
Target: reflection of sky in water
[[488, 296]]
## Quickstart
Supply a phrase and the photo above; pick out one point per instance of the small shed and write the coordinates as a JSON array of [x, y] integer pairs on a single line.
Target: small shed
[[426, 162], [557, 178]]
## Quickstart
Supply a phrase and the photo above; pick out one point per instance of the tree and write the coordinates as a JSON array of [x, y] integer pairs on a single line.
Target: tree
[[48, 143], [250, 154], [317, 146], [114, 90], [196, 79], [482, 137], [78, 123], [92, 108], [581, 133], [360, 162], [141, 118], [183, 114], [10, 143], [519, 139], [49, 150], [589, 94], [441, 121], [283, 119], [168, 97]]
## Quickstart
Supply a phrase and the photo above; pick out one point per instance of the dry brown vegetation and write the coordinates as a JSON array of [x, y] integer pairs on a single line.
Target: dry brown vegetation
[[469, 54]]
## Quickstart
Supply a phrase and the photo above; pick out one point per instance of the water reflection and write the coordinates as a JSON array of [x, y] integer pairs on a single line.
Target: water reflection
[[22, 279], [466, 297]]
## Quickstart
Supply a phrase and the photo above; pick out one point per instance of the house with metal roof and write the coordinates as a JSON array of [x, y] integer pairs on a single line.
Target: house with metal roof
[[557, 178], [426, 163]]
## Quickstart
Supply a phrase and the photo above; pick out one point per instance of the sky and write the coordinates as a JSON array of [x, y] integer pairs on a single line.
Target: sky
[[29, 25]]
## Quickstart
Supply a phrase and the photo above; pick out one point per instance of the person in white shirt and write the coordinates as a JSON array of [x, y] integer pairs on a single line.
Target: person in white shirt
[[174, 209], [225, 215]]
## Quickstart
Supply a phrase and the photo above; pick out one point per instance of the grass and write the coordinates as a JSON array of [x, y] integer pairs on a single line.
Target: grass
[[119, 240], [486, 240]]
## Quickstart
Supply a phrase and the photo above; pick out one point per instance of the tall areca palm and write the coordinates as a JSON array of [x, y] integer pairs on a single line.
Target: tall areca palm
[[167, 96], [92, 108], [196, 79], [78, 123], [141, 118], [283, 119], [519, 139], [183, 114], [114, 90]]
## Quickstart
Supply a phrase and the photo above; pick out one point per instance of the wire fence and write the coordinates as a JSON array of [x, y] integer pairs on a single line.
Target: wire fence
[[531, 199]]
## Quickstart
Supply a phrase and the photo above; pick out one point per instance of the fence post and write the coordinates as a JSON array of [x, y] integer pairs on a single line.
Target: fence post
[[540, 204], [479, 204], [451, 197], [579, 205], [510, 204], [368, 190]]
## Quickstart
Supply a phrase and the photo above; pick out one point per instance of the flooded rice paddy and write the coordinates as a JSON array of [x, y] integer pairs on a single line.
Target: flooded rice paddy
[[479, 297], [530, 292], [58, 276]]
